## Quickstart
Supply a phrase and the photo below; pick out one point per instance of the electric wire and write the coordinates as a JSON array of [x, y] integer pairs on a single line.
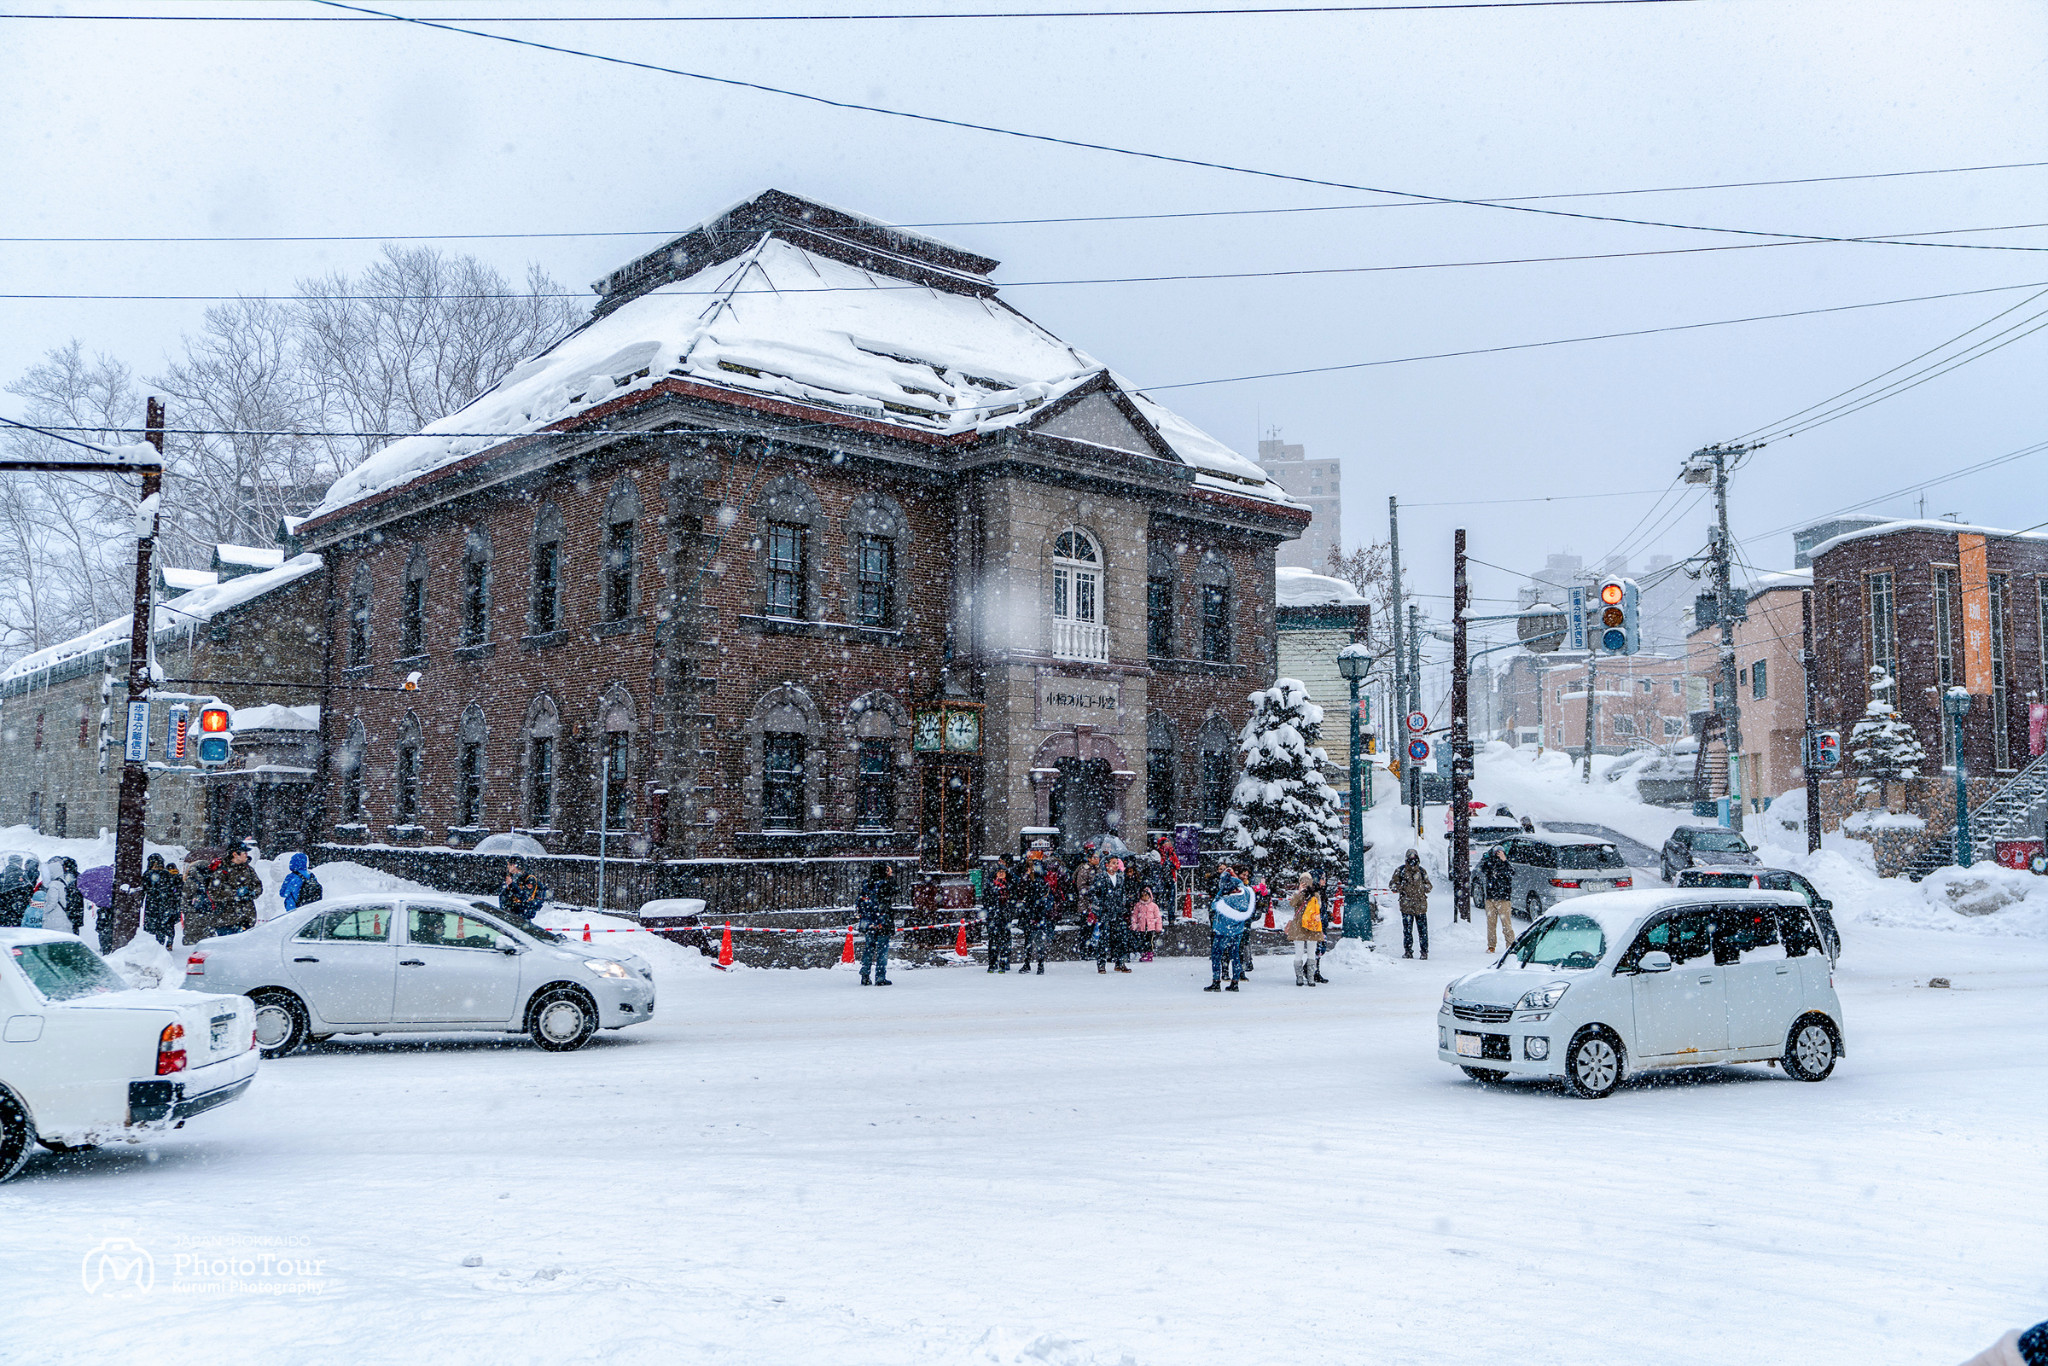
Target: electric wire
[[1962, 472], [55, 434], [1534, 498], [1079, 144], [1232, 12]]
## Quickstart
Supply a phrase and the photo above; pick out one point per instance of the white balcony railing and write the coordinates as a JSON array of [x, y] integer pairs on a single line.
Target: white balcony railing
[[1079, 639]]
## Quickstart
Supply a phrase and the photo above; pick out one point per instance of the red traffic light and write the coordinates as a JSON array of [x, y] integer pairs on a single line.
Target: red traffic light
[[213, 719], [1611, 595]]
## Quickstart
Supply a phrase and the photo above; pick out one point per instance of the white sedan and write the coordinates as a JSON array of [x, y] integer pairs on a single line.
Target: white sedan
[[420, 965], [1623, 981], [86, 1059]]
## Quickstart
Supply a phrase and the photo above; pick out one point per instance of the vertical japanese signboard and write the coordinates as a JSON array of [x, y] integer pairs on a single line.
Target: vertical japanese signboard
[[1575, 612], [1975, 575], [137, 748]]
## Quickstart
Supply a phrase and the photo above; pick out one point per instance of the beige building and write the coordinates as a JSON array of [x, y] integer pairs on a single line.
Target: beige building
[[1770, 686], [1638, 700], [1318, 616], [1319, 484]]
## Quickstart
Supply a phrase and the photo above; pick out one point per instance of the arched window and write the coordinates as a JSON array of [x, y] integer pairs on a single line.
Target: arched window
[[878, 540], [1159, 774], [412, 617], [788, 522], [359, 618], [621, 536], [616, 718], [407, 776], [544, 614], [1159, 598], [1214, 577], [350, 763], [1217, 753], [786, 759], [878, 736], [1077, 628], [470, 739], [542, 734], [476, 587]]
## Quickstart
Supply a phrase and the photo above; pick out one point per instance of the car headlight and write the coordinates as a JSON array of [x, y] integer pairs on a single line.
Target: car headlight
[[1543, 998], [605, 967]]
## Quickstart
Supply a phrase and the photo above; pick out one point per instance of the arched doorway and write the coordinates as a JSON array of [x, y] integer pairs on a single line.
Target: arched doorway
[[1082, 778]]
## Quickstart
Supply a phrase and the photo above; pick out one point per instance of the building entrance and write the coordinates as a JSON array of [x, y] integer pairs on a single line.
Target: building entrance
[[1080, 800]]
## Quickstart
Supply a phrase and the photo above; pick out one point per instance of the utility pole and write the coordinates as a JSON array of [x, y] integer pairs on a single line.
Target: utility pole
[[131, 816], [1591, 719], [1413, 772], [1710, 464], [1394, 617], [1807, 765], [1461, 743]]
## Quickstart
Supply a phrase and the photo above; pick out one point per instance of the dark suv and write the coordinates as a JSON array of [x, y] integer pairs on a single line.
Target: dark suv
[[1773, 880], [1714, 845]]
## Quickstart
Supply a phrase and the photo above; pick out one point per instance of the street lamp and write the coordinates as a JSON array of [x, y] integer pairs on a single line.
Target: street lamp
[[1353, 662], [1956, 702]]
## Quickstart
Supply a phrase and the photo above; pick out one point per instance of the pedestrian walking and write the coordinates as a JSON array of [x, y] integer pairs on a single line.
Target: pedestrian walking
[[300, 887], [1109, 893], [876, 906], [163, 899], [1305, 928], [1229, 914], [18, 882], [1411, 885], [522, 894], [45, 909], [232, 892], [1146, 921], [1497, 878], [996, 912], [1035, 910]]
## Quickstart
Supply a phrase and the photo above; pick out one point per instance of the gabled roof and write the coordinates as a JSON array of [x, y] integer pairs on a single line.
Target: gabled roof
[[782, 312]]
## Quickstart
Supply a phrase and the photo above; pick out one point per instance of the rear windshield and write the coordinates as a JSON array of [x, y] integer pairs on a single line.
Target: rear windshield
[[1721, 841], [1562, 941], [66, 970], [1589, 856], [1771, 882]]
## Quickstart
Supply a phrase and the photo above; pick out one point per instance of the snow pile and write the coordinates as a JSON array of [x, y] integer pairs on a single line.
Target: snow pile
[[1305, 588], [274, 716], [143, 962], [1865, 821]]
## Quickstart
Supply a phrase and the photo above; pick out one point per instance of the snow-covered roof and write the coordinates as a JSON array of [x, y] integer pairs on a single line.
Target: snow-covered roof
[[248, 556], [185, 580], [1921, 524], [1770, 580], [274, 716], [784, 320], [191, 609], [1305, 588]]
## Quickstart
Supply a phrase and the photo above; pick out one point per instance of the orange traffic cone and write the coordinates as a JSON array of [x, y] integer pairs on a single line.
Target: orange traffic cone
[[586, 931], [960, 941], [846, 954], [725, 947]]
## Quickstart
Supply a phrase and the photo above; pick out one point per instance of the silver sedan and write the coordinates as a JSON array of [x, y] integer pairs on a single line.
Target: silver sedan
[[420, 965]]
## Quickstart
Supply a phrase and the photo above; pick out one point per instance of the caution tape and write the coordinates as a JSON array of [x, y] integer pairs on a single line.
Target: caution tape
[[721, 926]]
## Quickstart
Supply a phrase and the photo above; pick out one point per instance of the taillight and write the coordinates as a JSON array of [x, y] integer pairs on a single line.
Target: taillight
[[1624, 882], [1561, 882], [170, 1057], [195, 963]]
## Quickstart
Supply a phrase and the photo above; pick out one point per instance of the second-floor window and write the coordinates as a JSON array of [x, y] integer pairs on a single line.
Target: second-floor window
[[1216, 623], [876, 561], [413, 621], [782, 781], [787, 546], [1759, 687], [1077, 628], [1159, 618], [547, 587], [874, 798], [618, 571], [1884, 640], [358, 623]]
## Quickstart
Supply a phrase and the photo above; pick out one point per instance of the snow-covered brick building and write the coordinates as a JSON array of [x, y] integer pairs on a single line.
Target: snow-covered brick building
[[241, 635], [806, 547]]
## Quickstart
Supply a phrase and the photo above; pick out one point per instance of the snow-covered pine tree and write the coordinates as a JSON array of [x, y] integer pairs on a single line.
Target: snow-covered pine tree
[[1283, 814], [1884, 748]]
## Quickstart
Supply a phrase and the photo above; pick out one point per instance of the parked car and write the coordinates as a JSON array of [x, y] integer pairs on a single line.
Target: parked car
[[1710, 845], [1638, 980], [1550, 868], [1774, 880], [420, 964], [86, 1059]]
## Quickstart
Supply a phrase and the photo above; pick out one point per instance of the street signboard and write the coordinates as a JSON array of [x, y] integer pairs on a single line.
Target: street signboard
[[1417, 721], [1418, 749], [137, 748], [1575, 620], [177, 724]]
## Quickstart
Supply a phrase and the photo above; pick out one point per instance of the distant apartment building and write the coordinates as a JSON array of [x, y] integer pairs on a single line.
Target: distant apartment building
[[1317, 483], [1638, 701], [1770, 687]]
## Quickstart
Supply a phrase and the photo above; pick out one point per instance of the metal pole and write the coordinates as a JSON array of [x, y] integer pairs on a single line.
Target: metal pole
[[1541, 735], [131, 813], [1413, 771], [1358, 924], [1461, 744], [604, 810], [1806, 663], [1731, 710], [1590, 718], [1964, 857], [1394, 621]]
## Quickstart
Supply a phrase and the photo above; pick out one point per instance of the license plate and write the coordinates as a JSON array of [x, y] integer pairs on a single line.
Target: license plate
[[221, 1025], [1468, 1045]]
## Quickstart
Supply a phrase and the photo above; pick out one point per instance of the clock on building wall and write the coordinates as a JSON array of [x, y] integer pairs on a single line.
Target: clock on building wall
[[927, 730], [963, 729]]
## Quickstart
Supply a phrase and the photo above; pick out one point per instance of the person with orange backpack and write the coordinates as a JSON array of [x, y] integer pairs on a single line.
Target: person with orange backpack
[[1305, 929]]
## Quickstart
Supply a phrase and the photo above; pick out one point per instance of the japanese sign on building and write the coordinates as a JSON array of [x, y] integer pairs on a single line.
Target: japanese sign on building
[[1065, 702]]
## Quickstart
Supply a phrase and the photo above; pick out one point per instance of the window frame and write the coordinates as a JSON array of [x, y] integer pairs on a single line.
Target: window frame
[[874, 784], [783, 797], [874, 590], [786, 595], [476, 587], [1881, 630], [1217, 635]]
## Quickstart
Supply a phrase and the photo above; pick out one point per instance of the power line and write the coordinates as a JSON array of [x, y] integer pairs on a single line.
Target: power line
[[1540, 498], [1965, 471], [1186, 277], [845, 18], [1598, 336], [1397, 203], [1079, 144], [54, 434]]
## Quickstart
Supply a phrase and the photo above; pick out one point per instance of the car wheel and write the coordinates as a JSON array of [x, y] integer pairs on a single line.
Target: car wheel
[[561, 1019], [1593, 1066], [17, 1134], [1533, 907], [1810, 1050], [1484, 1075], [281, 1023]]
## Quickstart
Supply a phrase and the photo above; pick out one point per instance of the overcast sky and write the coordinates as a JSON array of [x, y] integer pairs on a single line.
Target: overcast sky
[[393, 129]]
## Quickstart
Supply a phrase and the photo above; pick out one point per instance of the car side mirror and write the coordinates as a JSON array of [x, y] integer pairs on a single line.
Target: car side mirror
[[509, 950], [1655, 961]]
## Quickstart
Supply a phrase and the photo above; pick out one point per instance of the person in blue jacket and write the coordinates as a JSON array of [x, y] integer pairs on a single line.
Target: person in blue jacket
[[1228, 918], [299, 885], [876, 907]]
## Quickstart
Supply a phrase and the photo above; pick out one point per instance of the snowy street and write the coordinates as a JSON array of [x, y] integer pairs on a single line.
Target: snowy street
[[786, 1166]]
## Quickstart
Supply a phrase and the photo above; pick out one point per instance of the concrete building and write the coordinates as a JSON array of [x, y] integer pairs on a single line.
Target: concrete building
[[1770, 688], [1318, 485], [800, 567]]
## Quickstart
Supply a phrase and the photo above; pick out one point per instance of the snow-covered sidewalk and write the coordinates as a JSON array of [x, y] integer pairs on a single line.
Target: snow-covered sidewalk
[[786, 1166]]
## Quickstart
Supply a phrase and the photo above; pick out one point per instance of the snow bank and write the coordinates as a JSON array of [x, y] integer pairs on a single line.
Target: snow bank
[[1295, 587]]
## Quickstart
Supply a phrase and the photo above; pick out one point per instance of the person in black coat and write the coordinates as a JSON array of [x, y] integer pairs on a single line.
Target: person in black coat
[[163, 900], [1110, 896], [876, 907], [1035, 910], [996, 908], [17, 886]]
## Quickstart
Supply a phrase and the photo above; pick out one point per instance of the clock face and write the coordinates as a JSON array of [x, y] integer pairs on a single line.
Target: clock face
[[925, 732], [963, 730]]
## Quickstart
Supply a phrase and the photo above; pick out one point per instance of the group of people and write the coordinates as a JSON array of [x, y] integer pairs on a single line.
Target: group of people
[[1120, 903], [35, 894], [215, 894]]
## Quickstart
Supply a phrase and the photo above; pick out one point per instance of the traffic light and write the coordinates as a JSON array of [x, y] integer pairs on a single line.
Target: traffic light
[[215, 743], [1827, 748], [1619, 632]]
